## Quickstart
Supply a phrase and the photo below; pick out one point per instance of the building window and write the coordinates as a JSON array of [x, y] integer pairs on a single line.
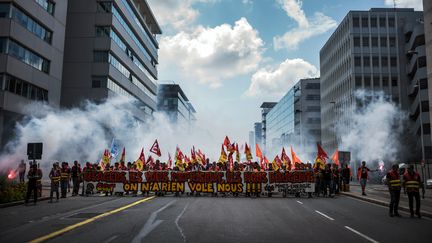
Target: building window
[[365, 22], [391, 22], [392, 41], [357, 41], [313, 120], [382, 22], [47, 5], [3, 46], [385, 81], [312, 97], [25, 89], [313, 108], [100, 56], [23, 54], [104, 6], [366, 61], [394, 81], [426, 128], [373, 22], [113, 61], [365, 41], [103, 31], [384, 61], [374, 41], [356, 22], [375, 61], [423, 83], [312, 86], [367, 82], [358, 81], [376, 81], [4, 10], [425, 106], [393, 61], [383, 41], [357, 61], [421, 61]]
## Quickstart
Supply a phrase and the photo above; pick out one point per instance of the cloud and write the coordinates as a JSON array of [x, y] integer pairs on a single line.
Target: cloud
[[175, 14], [416, 4], [211, 55], [307, 28], [275, 82]]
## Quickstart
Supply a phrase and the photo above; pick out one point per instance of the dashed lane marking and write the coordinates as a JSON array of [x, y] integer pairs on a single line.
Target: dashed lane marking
[[361, 234], [299, 202], [177, 222], [324, 215], [87, 221]]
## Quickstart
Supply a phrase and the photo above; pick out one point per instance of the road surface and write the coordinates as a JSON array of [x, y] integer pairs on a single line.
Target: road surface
[[208, 219]]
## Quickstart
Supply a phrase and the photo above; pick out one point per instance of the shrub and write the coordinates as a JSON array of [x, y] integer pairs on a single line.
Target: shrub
[[10, 190]]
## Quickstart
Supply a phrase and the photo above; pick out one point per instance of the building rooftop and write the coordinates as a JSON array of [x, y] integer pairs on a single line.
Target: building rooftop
[[150, 19], [268, 104]]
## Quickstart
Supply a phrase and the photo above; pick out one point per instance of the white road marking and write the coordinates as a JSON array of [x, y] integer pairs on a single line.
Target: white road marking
[[322, 214], [360, 234], [299, 202], [111, 239], [151, 224], [177, 222]]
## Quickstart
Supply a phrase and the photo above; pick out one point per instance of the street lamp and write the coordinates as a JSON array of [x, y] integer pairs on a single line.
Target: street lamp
[[417, 85]]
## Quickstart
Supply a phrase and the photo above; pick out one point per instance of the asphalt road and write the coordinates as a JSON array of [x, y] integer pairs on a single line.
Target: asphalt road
[[207, 219]]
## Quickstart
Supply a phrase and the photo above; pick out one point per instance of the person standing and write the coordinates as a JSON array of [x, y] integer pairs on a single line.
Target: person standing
[[64, 179], [76, 177], [327, 177], [394, 185], [363, 175], [21, 171], [55, 175], [33, 176], [346, 177], [412, 183]]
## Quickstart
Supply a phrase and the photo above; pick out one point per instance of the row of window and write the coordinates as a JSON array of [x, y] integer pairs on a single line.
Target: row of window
[[48, 5], [23, 88], [13, 48], [375, 61], [108, 7], [312, 86], [313, 97], [105, 56], [9, 11], [107, 31], [375, 81], [374, 22], [374, 41]]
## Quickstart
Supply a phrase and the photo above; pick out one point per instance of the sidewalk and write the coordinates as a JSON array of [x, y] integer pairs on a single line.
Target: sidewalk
[[379, 194]]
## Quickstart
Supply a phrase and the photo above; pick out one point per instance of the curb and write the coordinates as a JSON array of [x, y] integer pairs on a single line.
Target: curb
[[382, 203], [16, 203]]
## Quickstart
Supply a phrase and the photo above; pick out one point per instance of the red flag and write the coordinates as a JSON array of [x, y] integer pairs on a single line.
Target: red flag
[[140, 161], [155, 148], [237, 153], [193, 154], [187, 160], [202, 156], [248, 153], [226, 142], [278, 161], [169, 161], [265, 164], [258, 152], [150, 160], [285, 159], [335, 157], [321, 153], [295, 159], [123, 156], [180, 155]]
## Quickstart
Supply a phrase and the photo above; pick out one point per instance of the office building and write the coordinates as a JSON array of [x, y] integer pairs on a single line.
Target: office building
[[265, 108], [174, 102], [32, 34], [111, 49], [296, 119], [258, 134], [251, 138], [368, 51]]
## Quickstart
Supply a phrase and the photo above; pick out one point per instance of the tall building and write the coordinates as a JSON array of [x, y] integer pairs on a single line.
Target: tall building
[[174, 102], [251, 138], [296, 119], [265, 108], [111, 48], [32, 36], [427, 8], [258, 134], [368, 50]]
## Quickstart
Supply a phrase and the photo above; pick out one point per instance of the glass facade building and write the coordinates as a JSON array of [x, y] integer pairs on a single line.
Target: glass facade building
[[174, 102]]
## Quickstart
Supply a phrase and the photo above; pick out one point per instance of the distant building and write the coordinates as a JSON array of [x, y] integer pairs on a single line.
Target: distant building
[[296, 119], [111, 49], [251, 138], [373, 50], [258, 134], [31, 58], [174, 102], [265, 108]]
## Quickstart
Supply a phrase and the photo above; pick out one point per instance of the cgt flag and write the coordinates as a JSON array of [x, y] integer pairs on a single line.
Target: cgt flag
[[123, 156], [226, 142], [105, 159], [169, 161], [237, 153], [140, 161], [321, 154], [285, 159], [295, 159], [223, 156], [335, 157], [155, 148], [248, 153], [258, 152]]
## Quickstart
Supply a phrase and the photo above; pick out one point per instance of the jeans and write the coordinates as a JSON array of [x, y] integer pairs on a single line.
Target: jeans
[[54, 188], [76, 183], [394, 201], [328, 184], [64, 186], [411, 196]]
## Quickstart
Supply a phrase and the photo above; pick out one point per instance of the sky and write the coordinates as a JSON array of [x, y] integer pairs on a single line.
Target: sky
[[229, 56]]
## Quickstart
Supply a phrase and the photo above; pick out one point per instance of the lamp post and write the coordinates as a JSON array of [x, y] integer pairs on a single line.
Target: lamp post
[[417, 85]]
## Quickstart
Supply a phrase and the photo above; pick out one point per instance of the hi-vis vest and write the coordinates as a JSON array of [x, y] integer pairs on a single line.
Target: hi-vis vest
[[394, 181], [412, 183], [64, 174]]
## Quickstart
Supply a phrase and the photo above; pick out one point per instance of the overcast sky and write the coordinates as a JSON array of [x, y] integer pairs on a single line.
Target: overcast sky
[[231, 55]]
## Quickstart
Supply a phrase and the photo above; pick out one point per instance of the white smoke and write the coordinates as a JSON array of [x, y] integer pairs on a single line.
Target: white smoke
[[372, 132], [84, 133]]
